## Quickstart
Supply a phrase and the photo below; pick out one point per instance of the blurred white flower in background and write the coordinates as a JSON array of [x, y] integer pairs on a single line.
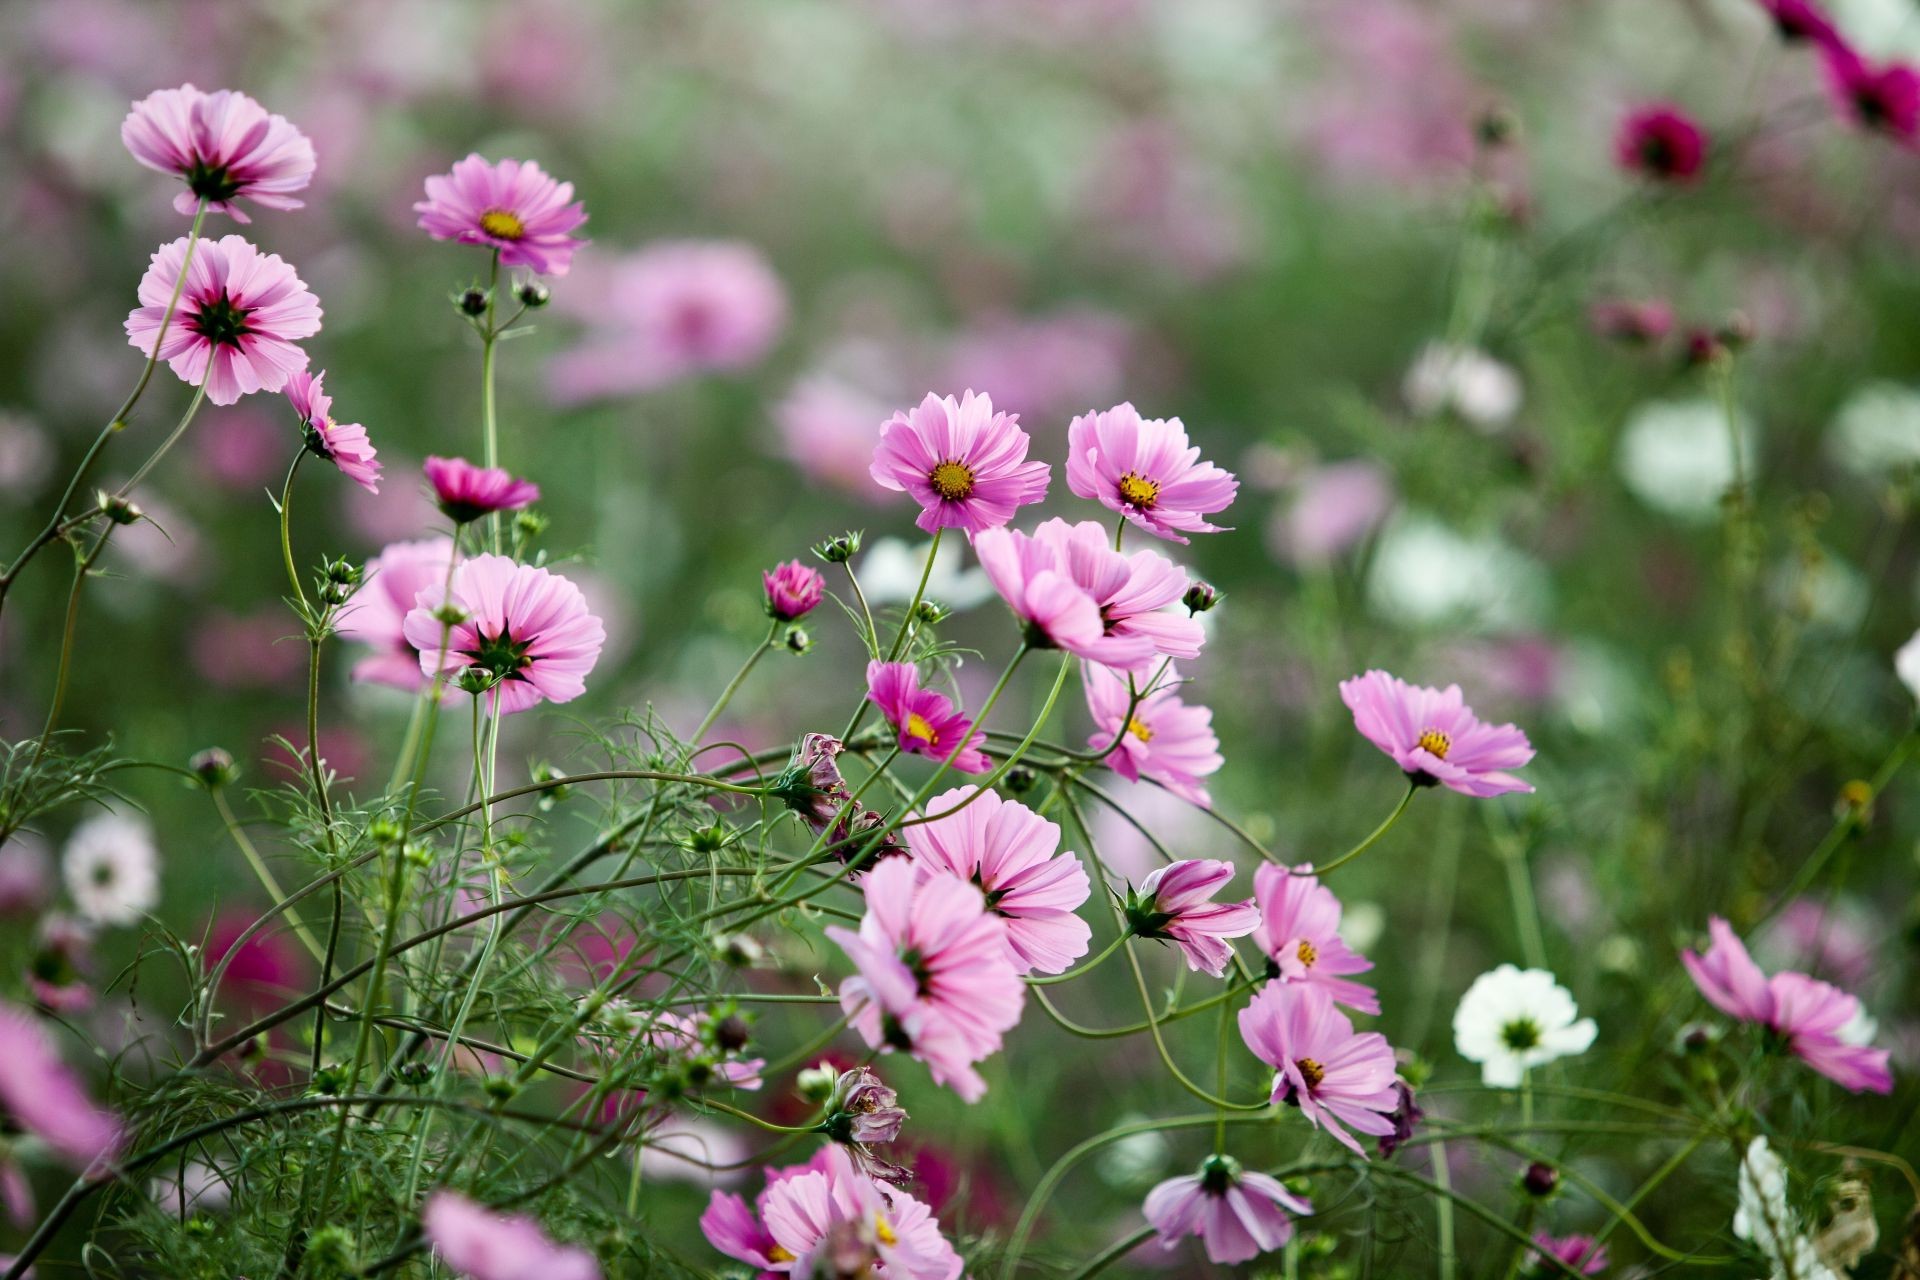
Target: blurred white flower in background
[[111, 869], [1877, 429], [1906, 665], [891, 570], [1512, 1020], [1424, 572], [1677, 456], [1471, 384], [1827, 592]]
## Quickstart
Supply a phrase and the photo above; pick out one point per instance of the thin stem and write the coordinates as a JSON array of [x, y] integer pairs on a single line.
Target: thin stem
[[489, 426], [733, 685], [1081, 970], [286, 535], [1366, 844], [268, 880]]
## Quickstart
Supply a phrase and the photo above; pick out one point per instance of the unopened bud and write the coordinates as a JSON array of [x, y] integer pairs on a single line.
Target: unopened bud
[[739, 950], [1496, 127], [473, 302], [1540, 1180], [533, 295], [798, 640], [1019, 780], [529, 524], [1736, 331], [815, 1084], [500, 1088], [1856, 802], [345, 572], [1200, 597], [840, 548], [476, 680], [118, 509], [930, 613], [214, 767], [731, 1033]]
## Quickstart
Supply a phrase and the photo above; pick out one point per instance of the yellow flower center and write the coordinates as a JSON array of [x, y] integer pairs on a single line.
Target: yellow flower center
[[1435, 743], [952, 480], [1138, 490], [883, 1230], [780, 1253], [1308, 953], [1310, 1071], [502, 225], [1140, 729], [918, 728]]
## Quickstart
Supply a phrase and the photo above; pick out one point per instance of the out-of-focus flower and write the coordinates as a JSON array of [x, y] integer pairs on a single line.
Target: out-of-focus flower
[[1512, 1020], [196, 1187], [1433, 735], [1660, 142], [1174, 904], [225, 146], [1906, 664], [239, 316], [793, 590], [1763, 1217], [1300, 932], [1677, 455], [1485, 393], [236, 651], [525, 628], [1333, 507], [1582, 1253], [240, 449], [963, 463], [111, 869], [827, 426], [890, 572], [264, 969], [926, 721], [1237, 1214], [1800, 21], [1638, 321], [1160, 737], [60, 967], [1877, 430], [26, 875], [466, 492], [480, 1244], [1045, 366], [1144, 469], [1838, 939], [26, 456], [1424, 572], [1884, 98], [1338, 1078], [344, 444], [377, 613], [44, 1097], [512, 207]]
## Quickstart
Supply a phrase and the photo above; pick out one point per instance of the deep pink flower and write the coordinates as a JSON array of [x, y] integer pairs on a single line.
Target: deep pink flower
[[936, 976], [793, 590], [345, 445], [1144, 469], [1300, 931], [1821, 1024], [1883, 98], [1801, 20], [1173, 904], [528, 627], [1009, 852], [512, 206], [1582, 1253], [479, 1243], [1338, 1078], [377, 613], [45, 1097], [1238, 1215], [223, 145], [1432, 735], [265, 968], [1164, 739], [1660, 142], [1630, 320], [926, 721], [963, 463], [239, 315], [466, 492]]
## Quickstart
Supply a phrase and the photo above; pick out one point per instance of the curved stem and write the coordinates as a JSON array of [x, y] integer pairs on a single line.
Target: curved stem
[[1081, 970], [733, 685], [1366, 844]]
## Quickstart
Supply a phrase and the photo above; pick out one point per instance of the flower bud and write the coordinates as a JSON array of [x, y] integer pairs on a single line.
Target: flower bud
[[738, 950], [840, 548], [1540, 1180], [117, 509], [328, 1079], [533, 295], [554, 794], [345, 572], [500, 1088], [529, 524], [214, 767], [793, 590], [711, 838], [1736, 331], [731, 1033], [798, 640], [473, 302], [815, 1084], [929, 613], [476, 680], [415, 1071], [449, 614], [1019, 780], [1200, 597], [1855, 803], [332, 592]]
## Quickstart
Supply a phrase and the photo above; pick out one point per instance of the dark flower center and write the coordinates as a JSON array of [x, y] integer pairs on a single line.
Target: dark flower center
[[1521, 1035], [212, 182], [221, 322]]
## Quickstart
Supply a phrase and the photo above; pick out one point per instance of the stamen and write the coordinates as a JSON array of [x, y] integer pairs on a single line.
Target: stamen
[[1307, 952], [1136, 490], [952, 480], [1310, 1071], [883, 1230], [1140, 729], [918, 728], [1435, 743], [502, 224]]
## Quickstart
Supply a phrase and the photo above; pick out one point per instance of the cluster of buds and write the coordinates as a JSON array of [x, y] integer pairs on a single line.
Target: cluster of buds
[[339, 581]]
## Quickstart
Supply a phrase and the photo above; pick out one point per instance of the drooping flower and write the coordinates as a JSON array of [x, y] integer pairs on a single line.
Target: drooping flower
[[925, 721], [239, 315], [44, 1096], [936, 977], [466, 492], [511, 206], [1819, 1023], [1582, 1253], [1300, 932], [1144, 469], [344, 444], [1661, 142], [479, 1243], [1174, 904], [1512, 1020], [1162, 738], [963, 463], [377, 613], [1883, 98], [1434, 736], [1008, 852], [1236, 1213], [527, 628], [1340, 1079], [111, 869], [862, 1110], [793, 590], [225, 146], [1763, 1217]]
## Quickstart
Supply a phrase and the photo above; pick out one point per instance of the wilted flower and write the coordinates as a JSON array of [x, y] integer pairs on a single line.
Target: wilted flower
[[1144, 469], [1173, 904], [512, 207], [111, 869], [483, 1245], [862, 1110], [527, 628], [963, 463], [1237, 1214], [793, 590], [225, 146], [466, 492], [1512, 1020], [237, 320], [344, 444], [1434, 736]]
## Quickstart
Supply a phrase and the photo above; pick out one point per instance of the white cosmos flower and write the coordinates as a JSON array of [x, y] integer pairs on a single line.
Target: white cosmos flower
[[1677, 456], [1763, 1218], [1877, 430], [111, 869], [1512, 1020], [1483, 392], [1425, 572], [1906, 664], [891, 570]]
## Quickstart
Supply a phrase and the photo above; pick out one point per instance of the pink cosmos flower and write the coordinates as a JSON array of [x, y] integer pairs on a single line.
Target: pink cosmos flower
[[1338, 1079], [936, 976], [1238, 1215], [1821, 1024], [1582, 1253], [479, 1243], [44, 1097], [1334, 507], [1163, 739], [239, 315], [1055, 611], [512, 206], [466, 492], [223, 145], [1300, 931], [684, 1038], [60, 967], [1144, 469], [1173, 905], [793, 590], [1883, 98], [1008, 852], [927, 722], [1432, 735], [527, 627], [345, 445], [1660, 142], [963, 463], [377, 613]]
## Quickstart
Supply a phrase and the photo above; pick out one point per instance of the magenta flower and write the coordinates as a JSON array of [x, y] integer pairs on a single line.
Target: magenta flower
[[1582, 1253], [466, 492], [1163, 739], [1338, 1078], [1801, 20], [936, 976], [377, 613], [1144, 469], [963, 463], [345, 445], [527, 629], [1660, 142], [1173, 904], [474, 1241], [1819, 1023], [1885, 99], [224, 146], [1300, 932], [793, 590], [1433, 736], [44, 1097], [239, 315], [1638, 322], [512, 206], [926, 722], [1237, 1215], [1007, 851]]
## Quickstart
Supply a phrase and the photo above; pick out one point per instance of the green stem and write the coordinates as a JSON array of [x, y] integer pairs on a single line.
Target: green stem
[[490, 430], [1368, 843], [733, 685]]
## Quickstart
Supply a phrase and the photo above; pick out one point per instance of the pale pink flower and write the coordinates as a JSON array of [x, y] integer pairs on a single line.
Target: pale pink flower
[[1046, 366], [512, 207], [223, 145], [26, 875], [1174, 904], [1009, 852], [826, 430], [925, 721], [1338, 1079], [526, 627], [935, 977], [1163, 739], [1054, 610], [1434, 737], [1144, 469], [344, 444], [239, 315], [1583, 1253], [1300, 931], [44, 1097], [377, 613], [477, 1242], [1237, 1214], [963, 463], [1334, 507], [793, 590], [466, 492]]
